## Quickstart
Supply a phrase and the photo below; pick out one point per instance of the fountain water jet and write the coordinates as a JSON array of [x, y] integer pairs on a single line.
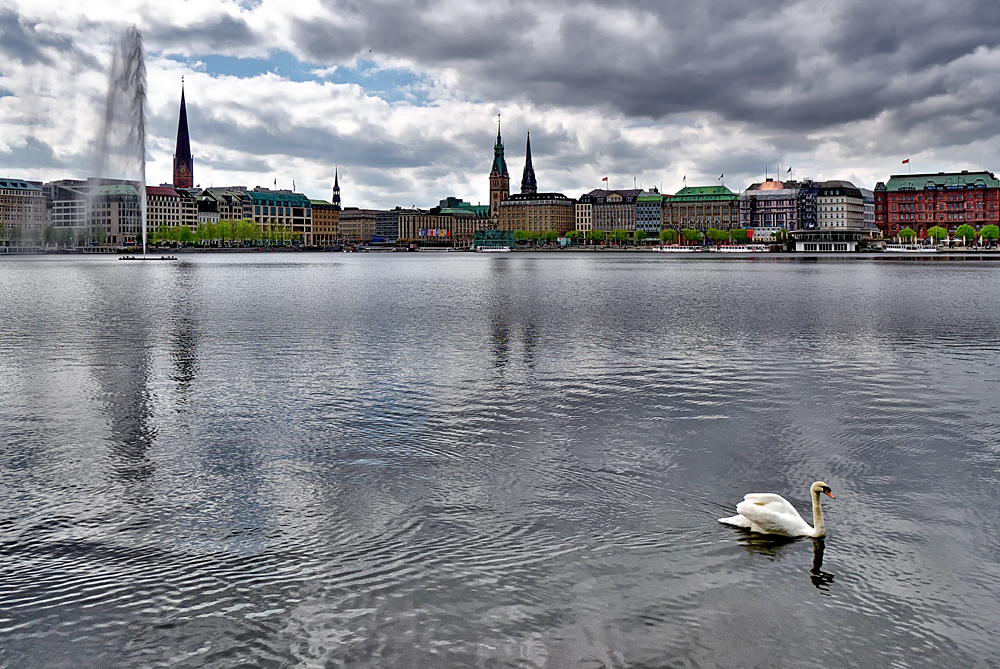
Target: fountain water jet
[[121, 144]]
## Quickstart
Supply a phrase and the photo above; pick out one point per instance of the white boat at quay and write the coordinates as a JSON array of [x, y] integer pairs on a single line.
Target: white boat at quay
[[676, 248], [740, 248], [910, 248], [492, 249]]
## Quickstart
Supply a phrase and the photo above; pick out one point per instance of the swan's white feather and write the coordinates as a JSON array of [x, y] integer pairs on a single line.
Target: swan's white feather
[[773, 516]]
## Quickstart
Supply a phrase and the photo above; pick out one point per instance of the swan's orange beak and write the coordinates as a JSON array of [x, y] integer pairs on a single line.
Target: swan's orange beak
[[830, 494]]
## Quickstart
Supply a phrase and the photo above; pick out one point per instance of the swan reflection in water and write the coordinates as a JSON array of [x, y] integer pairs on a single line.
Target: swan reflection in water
[[773, 546]]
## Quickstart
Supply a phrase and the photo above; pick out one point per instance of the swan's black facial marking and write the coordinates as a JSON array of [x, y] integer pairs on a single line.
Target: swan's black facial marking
[[826, 489]]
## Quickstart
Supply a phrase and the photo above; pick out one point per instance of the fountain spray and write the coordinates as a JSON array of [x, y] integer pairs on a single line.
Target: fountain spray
[[121, 144]]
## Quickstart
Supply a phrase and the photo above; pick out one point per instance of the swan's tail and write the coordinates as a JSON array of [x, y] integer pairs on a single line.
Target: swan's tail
[[737, 520]]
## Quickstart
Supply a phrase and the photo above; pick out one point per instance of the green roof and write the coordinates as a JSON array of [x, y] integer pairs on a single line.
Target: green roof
[[942, 180], [280, 199], [320, 202], [705, 193], [649, 198]]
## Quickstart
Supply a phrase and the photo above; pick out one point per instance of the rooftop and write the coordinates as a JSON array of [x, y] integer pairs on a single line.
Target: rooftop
[[942, 180]]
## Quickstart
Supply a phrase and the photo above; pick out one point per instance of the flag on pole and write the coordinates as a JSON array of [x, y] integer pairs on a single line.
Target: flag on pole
[[789, 171], [604, 179], [720, 177], [906, 162], [293, 184]]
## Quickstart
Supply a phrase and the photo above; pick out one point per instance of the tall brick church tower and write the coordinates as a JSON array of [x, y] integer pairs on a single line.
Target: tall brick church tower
[[183, 162], [499, 178]]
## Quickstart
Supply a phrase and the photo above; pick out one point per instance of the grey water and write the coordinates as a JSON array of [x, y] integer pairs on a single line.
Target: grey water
[[121, 140], [458, 460]]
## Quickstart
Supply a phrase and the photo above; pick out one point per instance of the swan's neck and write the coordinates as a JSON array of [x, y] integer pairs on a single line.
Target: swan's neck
[[819, 526]]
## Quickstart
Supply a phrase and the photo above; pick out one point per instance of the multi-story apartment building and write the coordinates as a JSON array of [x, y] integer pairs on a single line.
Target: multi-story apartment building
[[325, 222], [66, 202], [649, 213], [358, 225], [169, 207], [438, 226], [700, 208], [610, 209], [840, 206], [773, 207], [945, 199], [538, 212], [584, 215], [22, 212], [282, 209], [114, 214]]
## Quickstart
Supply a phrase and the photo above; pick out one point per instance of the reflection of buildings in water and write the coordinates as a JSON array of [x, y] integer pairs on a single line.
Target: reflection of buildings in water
[[499, 340], [184, 335], [530, 343], [122, 370]]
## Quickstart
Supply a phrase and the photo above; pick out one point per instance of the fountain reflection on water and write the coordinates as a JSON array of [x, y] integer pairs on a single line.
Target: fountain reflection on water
[[121, 142]]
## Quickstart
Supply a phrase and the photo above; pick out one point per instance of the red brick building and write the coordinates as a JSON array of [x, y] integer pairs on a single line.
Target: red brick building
[[947, 199]]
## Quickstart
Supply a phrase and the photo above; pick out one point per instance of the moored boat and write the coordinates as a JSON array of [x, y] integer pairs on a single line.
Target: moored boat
[[910, 248], [740, 248], [676, 248]]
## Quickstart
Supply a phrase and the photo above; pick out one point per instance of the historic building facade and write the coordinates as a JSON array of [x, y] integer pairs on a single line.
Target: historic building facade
[[945, 199], [167, 207], [22, 212], [538, 212], [771, 208], [840, 205], [700, 208], [607, 210]]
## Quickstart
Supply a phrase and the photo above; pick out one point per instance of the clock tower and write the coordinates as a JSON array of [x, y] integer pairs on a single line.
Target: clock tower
[[499, 179]]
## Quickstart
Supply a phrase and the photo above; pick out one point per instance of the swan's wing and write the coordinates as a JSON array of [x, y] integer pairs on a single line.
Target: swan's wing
[[737, 520], [772, 517], [772, 501]]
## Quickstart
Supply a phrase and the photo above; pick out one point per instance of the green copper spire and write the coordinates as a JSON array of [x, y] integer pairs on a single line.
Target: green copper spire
[[499, 164]]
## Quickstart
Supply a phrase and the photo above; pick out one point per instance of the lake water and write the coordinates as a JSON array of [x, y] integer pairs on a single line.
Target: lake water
[[463, 460]]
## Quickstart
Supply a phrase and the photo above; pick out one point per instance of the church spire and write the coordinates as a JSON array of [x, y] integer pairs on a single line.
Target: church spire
[[499, 164], [528, 184], [336, 188], [183, 162]]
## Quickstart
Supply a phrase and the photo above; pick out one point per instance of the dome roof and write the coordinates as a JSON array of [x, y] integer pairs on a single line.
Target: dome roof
[[770, 184]]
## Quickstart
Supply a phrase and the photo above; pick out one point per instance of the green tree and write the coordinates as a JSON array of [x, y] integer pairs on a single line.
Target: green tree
[[551, 236], [740, 236], [575, 236], [966, 232], [906, 233], [668, 235], [619, 236], [937, 233], [596, 235], [184, 235], [990, 233], [640, 236], [717, 235], [692, 235]]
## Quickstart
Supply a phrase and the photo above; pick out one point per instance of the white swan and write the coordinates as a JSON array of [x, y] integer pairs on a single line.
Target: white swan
[[767, 513]]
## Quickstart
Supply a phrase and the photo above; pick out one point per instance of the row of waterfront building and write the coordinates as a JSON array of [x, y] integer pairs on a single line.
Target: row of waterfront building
[[107, 212]]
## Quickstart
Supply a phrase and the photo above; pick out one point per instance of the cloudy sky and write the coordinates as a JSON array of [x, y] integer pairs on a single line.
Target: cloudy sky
[[404, 96]]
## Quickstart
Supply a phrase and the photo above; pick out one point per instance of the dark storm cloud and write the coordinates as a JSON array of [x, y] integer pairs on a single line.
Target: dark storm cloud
[[217, 35], [798, 66], [19, 40]]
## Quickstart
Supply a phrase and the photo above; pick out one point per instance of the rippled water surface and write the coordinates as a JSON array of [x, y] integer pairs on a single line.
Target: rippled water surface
[[458, 460]]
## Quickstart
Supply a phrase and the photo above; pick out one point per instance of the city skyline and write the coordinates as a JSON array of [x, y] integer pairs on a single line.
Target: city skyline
[[403, 99]]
